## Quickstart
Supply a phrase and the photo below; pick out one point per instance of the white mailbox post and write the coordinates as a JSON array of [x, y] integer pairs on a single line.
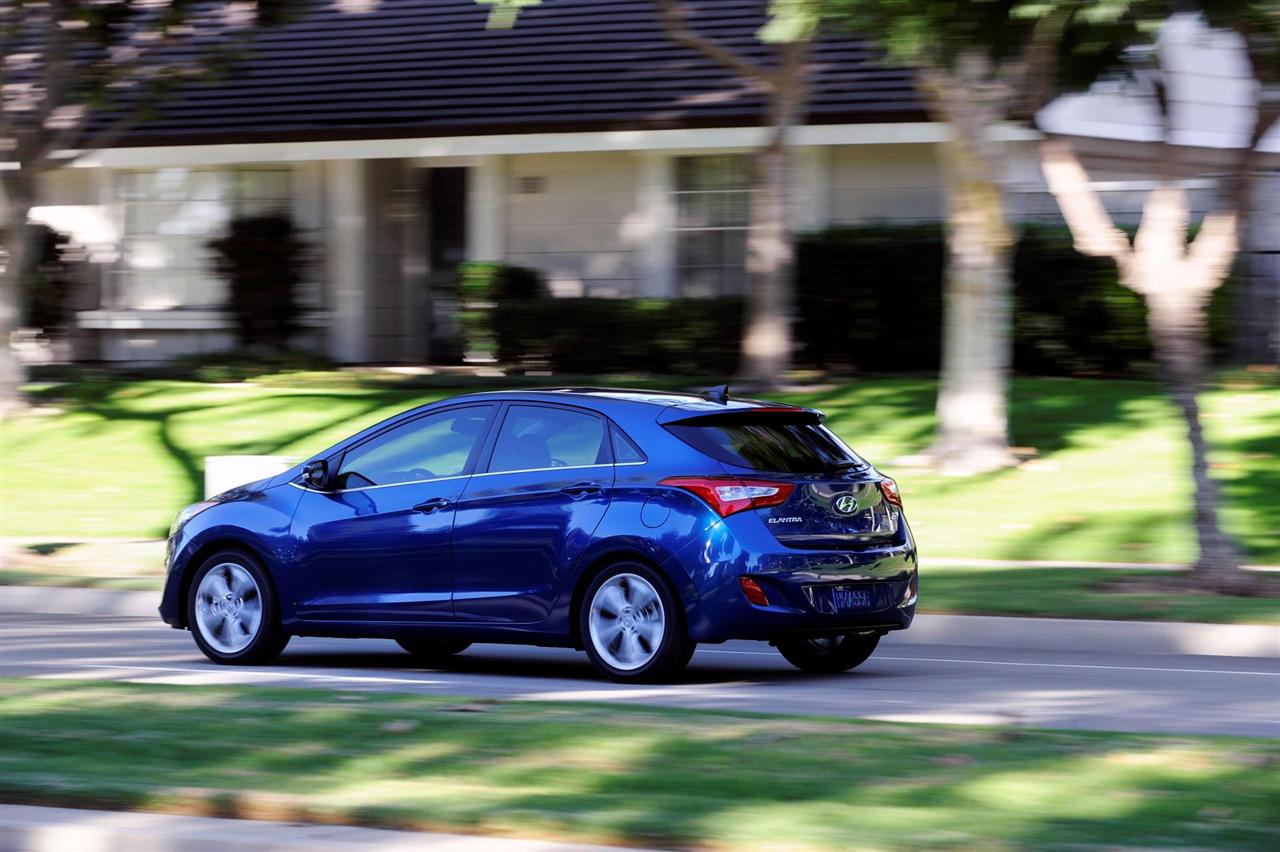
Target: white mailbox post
[[224, 472]]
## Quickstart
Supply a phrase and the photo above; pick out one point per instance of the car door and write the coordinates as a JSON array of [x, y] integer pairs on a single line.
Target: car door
[[376, 547], [524, 520]]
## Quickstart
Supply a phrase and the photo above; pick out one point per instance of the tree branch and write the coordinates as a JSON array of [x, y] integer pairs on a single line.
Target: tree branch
[[1091, 227], [672, 16], [1214, 250]]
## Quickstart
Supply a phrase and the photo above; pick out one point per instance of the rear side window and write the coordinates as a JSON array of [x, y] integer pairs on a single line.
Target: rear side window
[[535, 438], [625, 450], [787, 444]]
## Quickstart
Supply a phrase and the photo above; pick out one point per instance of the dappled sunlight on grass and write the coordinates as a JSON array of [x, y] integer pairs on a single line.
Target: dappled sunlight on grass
[[639, 775], [1109, 479]]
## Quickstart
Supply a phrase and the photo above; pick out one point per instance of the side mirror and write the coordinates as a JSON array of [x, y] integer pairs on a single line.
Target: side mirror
[[316, 475]]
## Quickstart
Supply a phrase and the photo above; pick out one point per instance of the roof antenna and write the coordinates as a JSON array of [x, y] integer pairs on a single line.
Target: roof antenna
[[719, 393]]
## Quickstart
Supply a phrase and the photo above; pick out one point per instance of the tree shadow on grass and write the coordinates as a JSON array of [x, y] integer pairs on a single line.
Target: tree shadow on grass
[[623, 774]]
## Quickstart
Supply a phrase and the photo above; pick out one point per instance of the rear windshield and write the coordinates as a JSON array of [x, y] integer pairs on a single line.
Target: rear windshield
[[769, 443]]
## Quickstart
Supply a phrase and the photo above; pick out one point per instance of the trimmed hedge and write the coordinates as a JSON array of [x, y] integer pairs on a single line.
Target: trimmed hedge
[[683, 336], [868, 298]]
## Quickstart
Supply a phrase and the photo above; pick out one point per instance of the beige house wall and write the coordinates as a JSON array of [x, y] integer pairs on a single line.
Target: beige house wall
[[577, 218]]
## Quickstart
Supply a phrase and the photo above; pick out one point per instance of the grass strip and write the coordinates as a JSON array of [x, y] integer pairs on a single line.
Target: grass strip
[[645, 776]]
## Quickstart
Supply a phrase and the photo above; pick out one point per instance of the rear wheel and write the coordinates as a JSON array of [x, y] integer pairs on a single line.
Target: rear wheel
[[433, 650], [632, 625], [232, 611], [829, 654]]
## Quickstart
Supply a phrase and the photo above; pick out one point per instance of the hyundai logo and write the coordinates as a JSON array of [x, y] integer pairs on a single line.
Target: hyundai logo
[[846, 504]]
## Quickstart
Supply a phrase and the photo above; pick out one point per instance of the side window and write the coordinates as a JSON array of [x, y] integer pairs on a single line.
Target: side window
[[426, 448], [533, 437], [625, 449]]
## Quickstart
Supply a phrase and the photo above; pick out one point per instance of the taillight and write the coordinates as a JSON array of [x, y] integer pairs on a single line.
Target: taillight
[[913, 590], [752, 590], [889, 489], [728, 495]]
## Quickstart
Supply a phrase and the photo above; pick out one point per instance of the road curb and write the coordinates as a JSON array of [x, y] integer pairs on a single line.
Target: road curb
[[1093, 636], [1031, 634], [57, 600], [28, 827]]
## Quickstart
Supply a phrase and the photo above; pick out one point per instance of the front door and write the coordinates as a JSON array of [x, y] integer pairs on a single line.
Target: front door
[[377, 547], [522, 524]]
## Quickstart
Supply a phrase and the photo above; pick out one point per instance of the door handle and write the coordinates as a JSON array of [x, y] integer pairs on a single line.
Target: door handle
[[581, 489], [435, 504]]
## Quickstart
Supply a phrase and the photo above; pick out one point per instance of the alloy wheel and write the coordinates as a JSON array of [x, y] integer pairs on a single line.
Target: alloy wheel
[[627, 621], [228, 608]]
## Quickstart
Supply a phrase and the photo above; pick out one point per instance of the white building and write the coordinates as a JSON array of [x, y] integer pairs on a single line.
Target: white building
[[405, 138]]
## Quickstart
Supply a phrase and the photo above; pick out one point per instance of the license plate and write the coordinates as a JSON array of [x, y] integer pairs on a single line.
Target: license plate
[[846, 598]]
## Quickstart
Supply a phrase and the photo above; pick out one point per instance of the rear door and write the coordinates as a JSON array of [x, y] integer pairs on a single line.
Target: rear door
[[528, 514]]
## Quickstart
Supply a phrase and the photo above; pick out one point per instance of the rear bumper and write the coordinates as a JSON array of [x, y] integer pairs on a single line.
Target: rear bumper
[[797, 583]]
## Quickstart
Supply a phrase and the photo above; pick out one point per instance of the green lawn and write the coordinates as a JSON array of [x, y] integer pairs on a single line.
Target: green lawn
[[632, 775], [1109, 481]]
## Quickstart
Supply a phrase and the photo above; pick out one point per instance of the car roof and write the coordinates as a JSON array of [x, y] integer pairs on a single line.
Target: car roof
[[683, 401]]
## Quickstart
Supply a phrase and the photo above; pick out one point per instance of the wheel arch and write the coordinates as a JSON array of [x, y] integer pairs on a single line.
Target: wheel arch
[[603, 561], [197, 558]]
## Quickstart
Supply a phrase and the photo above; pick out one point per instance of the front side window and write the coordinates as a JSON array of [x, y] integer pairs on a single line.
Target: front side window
[[713, 209], [430, 447], [777, 444], [169, 217], [534, 438]]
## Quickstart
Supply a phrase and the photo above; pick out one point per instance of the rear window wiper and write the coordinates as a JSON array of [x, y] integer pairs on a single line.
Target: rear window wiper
[[848, 464]]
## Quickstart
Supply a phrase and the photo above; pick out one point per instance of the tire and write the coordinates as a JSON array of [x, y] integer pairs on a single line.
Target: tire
[[829, 656], [226, 623], [428, 651], [632, 625]]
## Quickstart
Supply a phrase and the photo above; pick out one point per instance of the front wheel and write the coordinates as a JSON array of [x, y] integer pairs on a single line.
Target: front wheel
[[632, 625], [831, 654], [232, 611]]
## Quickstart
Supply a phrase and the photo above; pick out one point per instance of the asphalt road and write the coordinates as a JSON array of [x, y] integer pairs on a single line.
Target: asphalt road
[[907, 683]]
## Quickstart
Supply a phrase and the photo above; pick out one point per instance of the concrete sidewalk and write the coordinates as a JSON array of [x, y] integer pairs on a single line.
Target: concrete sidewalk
[[1031, 634], [25, 827]]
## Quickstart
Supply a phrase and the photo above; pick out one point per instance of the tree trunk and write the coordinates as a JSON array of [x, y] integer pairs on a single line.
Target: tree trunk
[[972, 409], [1176, 319], [19, 245], [973, 431], [766, 339]]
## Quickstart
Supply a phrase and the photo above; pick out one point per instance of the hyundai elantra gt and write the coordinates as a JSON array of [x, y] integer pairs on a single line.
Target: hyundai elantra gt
[[632, 525]]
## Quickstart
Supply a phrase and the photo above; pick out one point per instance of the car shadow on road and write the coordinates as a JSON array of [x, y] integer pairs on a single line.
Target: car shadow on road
[[704, 670]]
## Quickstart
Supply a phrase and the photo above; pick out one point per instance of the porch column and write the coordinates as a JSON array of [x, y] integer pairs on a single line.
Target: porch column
[[348, 222], [653, 232], [486, 209], [811, 188]]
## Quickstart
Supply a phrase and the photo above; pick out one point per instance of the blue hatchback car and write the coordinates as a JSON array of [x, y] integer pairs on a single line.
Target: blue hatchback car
[[629, 524]]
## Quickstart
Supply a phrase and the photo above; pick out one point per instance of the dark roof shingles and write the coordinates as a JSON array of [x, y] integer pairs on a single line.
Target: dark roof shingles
[[429, 67]]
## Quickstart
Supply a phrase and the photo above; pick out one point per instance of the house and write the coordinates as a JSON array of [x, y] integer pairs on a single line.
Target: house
[[404, 138]]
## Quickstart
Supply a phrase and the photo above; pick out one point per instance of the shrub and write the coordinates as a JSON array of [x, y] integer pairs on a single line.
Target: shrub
[[263, 259], [870, 297], [690, 336], [481, 286], [47, 300]]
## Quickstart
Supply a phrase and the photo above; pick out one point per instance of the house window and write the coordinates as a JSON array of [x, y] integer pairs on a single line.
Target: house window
[[713, 204], [169, 217]]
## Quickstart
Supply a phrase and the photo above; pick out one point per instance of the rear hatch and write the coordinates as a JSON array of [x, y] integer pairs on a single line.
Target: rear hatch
[[836, 500]]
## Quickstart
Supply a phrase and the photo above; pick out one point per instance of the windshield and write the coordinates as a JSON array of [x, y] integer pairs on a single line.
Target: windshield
[[770, 443]]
